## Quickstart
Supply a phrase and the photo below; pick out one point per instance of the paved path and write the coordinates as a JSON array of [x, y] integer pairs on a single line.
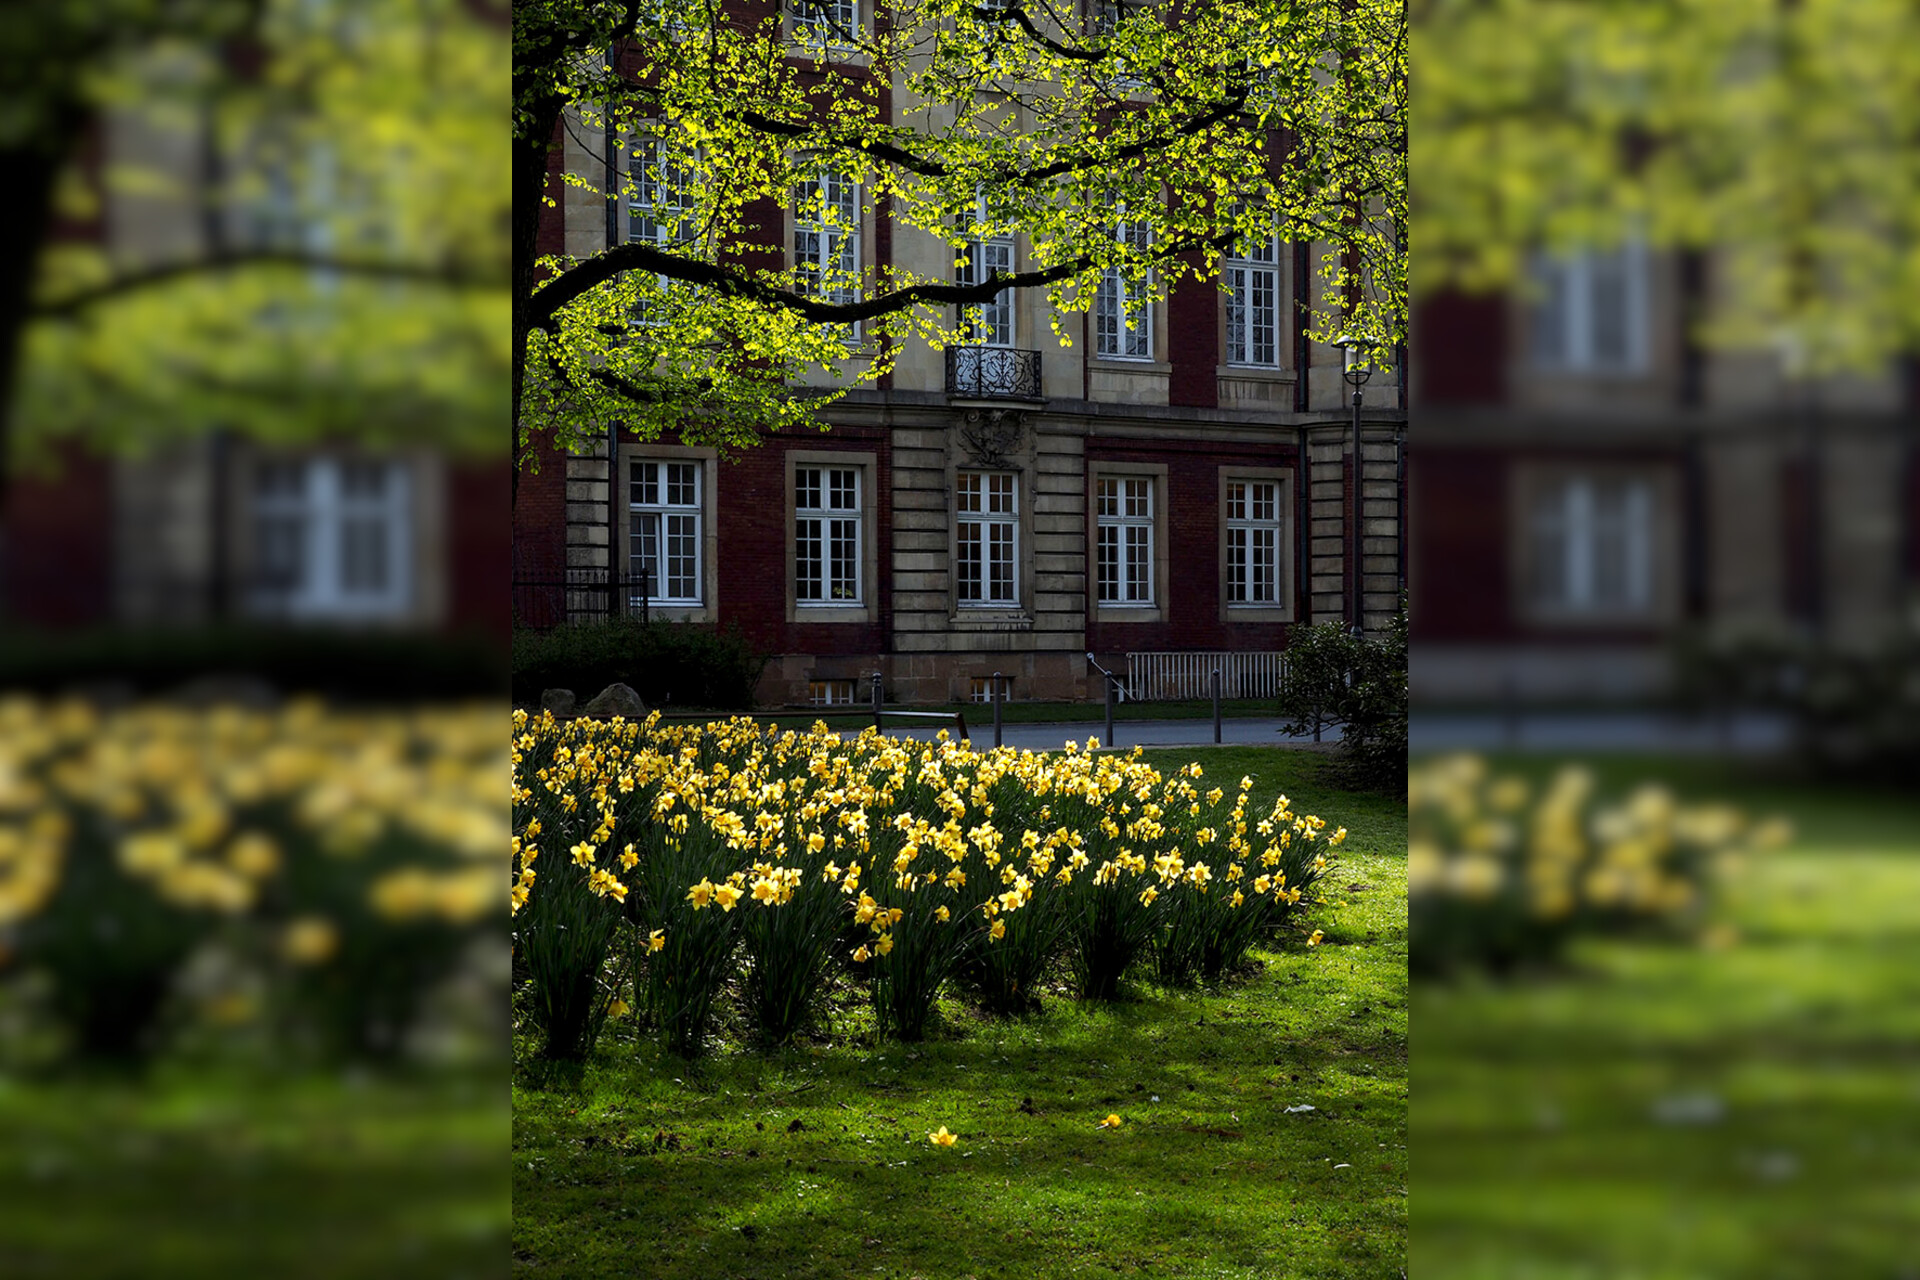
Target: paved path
[[1264, 731], [1600, 731]]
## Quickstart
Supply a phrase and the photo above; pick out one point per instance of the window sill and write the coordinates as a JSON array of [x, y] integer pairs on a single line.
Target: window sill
[[831, 613], [969, 619], [1261, 372], [1256, 613], [1116, 613]]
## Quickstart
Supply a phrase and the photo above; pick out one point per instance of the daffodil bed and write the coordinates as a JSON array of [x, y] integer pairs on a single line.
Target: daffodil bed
[[1251, 1127], [1736, 1104], [290, 882], [1504, 869], [669, 861]]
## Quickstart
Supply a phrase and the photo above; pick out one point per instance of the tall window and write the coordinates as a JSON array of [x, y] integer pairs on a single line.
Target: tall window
[[988, 555], [1122, 316], [1253, 542], [826, 535], [1124, 524], [1591, 313], [825, 24], [1593, 545], [663, 537], [330, 538], [1253, 303], [660, 207], [984, 257], [826, 238]]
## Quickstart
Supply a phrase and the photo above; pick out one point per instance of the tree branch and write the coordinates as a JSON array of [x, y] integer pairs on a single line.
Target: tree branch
[[570, 285], [166, 272]]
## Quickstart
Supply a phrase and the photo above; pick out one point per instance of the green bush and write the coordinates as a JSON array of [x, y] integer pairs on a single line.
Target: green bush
[[668, 664], [1358, 683]]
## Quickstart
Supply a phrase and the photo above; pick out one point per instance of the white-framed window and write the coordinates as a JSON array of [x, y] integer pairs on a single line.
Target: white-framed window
[[830, 693], [331, 538], [1122, 314], [825, 24], [1590, 312], [1253, 303], [1253, 542], [663, 532], [826, 238], [1592, 545], [1123, 524], [660, 205], [987, 554], [984, 257], [826, 536]]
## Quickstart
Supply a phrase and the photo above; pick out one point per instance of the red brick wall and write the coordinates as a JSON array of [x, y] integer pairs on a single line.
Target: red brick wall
[[1459, 350], [1193, 342], [540, 519], [56, 561], [1459, 578], [479, 547]]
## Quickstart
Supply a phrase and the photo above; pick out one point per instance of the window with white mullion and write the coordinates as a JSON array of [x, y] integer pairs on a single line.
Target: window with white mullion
[[1123, 515], [826, 24], [664, 538], [826, 238], [1122, 313], [1253, 303], [987, 553], [658, 193], [995, 327], [1592, 545], [331, 538], [1253, 542], [826, 541], [1590, 310]]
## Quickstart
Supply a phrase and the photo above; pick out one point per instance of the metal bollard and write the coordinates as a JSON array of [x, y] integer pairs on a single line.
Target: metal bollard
[[877, 703], [1216, 708], [996, 708], [1109, 738]]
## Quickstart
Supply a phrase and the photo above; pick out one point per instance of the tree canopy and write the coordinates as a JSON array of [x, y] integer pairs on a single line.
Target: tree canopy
[[282, 218], [1780, 134], [1195, 123]]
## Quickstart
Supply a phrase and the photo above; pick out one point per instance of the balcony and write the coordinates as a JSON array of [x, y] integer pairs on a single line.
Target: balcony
[[993, 373]]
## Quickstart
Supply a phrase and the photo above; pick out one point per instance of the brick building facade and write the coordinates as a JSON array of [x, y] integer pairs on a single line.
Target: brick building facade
[[1006, 507]]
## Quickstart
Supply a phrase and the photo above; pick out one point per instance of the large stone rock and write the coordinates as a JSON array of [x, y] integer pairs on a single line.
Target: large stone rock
[[558, 701], [615, 700]]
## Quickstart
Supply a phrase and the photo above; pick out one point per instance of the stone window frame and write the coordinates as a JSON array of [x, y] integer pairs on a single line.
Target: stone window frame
[[634, 451], [820, 611], [1288, 584], [1528, 480], [1121, 613], [423, 512]]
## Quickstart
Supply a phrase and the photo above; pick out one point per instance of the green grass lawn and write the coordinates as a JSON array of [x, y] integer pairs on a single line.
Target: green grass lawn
[[192, 1173], [1668, 1111], [815, 1162]]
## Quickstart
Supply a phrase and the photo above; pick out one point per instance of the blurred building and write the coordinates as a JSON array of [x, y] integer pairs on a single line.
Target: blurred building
[[1169, 493], [1592, 486], [217, 522]]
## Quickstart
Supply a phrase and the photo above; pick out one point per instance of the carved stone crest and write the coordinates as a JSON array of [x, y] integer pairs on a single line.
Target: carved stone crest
[[989, 435]]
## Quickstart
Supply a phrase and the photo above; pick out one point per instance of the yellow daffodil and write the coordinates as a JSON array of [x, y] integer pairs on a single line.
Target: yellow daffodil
[[1111, 1122], [941, 1138], [656, 940], [1315, 938]]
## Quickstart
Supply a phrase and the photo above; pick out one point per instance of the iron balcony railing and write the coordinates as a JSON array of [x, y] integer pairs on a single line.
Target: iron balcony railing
[[993, 373]]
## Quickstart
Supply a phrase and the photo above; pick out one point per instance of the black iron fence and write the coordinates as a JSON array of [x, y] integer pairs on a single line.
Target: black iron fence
[[581, 595], [994, 373]]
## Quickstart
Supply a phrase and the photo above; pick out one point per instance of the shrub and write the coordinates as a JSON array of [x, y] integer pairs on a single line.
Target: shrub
[[666, 663], [1358, 683]]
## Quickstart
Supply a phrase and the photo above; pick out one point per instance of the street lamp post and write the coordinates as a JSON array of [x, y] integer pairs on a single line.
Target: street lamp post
[[1358, 371]]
